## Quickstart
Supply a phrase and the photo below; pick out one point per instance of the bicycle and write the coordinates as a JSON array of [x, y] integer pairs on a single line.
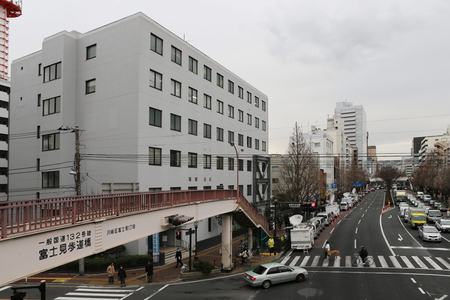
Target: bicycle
[[247, 261], [356, 261]]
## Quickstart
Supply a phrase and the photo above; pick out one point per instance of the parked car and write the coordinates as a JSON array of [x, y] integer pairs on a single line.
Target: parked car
[[426, 198], [432, 202], [443, 225], [429, 233], [272, 273]]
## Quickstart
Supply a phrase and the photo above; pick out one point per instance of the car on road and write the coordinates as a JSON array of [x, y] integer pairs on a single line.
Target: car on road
[[443, 225], [429, 233], [442, 207], [426, 198], [272, 273]]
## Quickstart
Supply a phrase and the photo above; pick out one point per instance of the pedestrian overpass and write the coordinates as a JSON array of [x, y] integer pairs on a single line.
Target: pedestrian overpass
[[41, 234]]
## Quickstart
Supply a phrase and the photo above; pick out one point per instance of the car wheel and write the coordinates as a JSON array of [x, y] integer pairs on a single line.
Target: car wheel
[[266, 284], [300, 277]]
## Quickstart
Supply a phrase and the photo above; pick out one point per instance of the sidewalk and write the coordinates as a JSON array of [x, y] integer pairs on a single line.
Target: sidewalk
[[162, 274]]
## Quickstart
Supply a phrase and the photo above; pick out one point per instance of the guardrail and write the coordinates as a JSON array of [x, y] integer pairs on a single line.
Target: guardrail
[[18, 217], [254, 214]]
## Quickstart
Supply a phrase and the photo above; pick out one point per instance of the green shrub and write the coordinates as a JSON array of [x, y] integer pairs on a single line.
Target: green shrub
[[204, 266]]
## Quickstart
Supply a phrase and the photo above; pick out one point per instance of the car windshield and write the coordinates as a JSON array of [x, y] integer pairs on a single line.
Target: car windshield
[[260, 270], [434, 213], [419, 218], [430, 230], [445, 222]]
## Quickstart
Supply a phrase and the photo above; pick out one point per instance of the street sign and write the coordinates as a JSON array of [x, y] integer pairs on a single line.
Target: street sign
[[294, 205], [316, 197], [334, 186]]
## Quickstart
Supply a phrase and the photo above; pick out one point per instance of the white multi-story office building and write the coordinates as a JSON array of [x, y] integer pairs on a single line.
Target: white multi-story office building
[[355, 127], [153, 113]]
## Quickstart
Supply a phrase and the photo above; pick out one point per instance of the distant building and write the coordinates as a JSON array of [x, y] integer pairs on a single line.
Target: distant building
[[372, 160], [434, 145]]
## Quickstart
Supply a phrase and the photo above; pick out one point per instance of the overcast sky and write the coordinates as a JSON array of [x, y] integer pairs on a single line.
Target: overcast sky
[[392, 57]]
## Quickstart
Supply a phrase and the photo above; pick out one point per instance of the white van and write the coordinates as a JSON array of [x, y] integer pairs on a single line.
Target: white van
[[343, 205]]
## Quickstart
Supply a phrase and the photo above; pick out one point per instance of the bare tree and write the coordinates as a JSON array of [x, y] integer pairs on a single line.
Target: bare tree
[[300, 173], [389, 174]]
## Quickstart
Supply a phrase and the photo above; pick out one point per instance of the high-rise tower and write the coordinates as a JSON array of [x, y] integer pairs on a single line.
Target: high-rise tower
[[8, 9]]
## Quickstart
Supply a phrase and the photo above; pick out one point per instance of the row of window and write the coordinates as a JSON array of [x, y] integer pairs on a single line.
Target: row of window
[[156, 159], [207, 187], [156, 45]]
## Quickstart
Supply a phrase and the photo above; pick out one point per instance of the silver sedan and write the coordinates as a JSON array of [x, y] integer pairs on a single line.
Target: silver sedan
[[272, 273]]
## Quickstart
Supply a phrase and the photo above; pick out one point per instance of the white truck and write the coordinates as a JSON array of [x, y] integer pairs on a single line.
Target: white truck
[[302, 235], [332, 209]]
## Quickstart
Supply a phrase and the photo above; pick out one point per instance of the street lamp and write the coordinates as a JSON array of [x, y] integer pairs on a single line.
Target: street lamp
[[237, 166]]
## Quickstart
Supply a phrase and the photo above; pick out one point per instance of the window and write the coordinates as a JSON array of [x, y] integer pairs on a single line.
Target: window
[[220, 107], [192, 95], [219, 163], [154, 156], [241, 92], [50, 142], [176, 55], [263, 105], [219, 80], [275, 180], [275, 169], [249, 165], [52, 72], [231, 111], [207, 73], [193, 65], [155, 117], [175, 122], [264, 125], [175, 88], [249, 142], [256, 122], [192, 188], [192, 127], [206, 161], [39, 69], [38, 132], [240, 139], [249, 119], [207, 131], [192, 160], [207, 101], [263, 146], [156, 80], [50, 179], [230, 137], [155, 189], [256, 101], [241, 165], [156, 44], [231, 86], [220, 134], [249, 97], [249, 189], [39, 100], [175, 158], [91, 51], [90, 86], [241, 115], [38, 164], [230, 163], [256, 144], [51, 106]]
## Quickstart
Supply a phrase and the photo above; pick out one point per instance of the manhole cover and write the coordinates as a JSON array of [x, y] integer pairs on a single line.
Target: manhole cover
[[310, 292]]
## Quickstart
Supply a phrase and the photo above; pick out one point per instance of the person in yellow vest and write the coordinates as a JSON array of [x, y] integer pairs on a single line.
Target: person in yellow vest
[[270, 244]]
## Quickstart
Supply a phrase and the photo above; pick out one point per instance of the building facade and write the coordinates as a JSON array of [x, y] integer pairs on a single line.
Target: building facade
[[150, 112], [4, 132]]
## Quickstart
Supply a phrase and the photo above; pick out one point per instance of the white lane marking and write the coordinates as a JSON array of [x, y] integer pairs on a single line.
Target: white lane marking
[[294, 261], [409, 265], [337, 262], [432, 263], [332, 230], [305, 261], [419, 262], [77, 298], [384, 237], [154, 294], [325, 262], [315, 261], [395, 262], [359, 222], [95, 294], [420, 289], [354, 244], [5, 288], [408, 232], [362, 216], [348, 261], [284, 261], [442, 298], [103, 290], [339, 222], [356, 231], [420, 248], [400, 237], [383, 261], [442, 261], [412, 279]]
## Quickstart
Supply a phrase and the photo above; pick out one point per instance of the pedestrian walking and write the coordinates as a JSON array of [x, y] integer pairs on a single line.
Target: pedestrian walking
[[149, 270], [122, 275], [270, 244], [178, 257], [327, 249], [110, 270]]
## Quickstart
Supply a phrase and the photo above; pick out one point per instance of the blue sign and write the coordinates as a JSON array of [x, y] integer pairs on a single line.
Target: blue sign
[[357, 183], [334, 186], [316, 197], [155, 243]]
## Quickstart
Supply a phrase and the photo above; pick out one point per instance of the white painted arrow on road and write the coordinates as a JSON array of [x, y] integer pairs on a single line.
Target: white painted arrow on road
[[400, 237], [390, 217], [442, 298]]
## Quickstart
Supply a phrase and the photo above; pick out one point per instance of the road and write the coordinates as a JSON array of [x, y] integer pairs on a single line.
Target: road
[[404, 268]]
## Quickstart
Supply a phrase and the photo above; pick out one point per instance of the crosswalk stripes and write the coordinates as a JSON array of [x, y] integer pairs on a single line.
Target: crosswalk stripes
[[380, 261], [96, 293]]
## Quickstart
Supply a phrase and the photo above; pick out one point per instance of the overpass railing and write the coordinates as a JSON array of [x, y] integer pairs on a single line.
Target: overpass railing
[[18, 217], [254, 214]]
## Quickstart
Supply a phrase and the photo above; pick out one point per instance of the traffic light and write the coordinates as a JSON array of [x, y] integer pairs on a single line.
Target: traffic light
[[313, 204], [178, 235], [179, 220], [18, 295]]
